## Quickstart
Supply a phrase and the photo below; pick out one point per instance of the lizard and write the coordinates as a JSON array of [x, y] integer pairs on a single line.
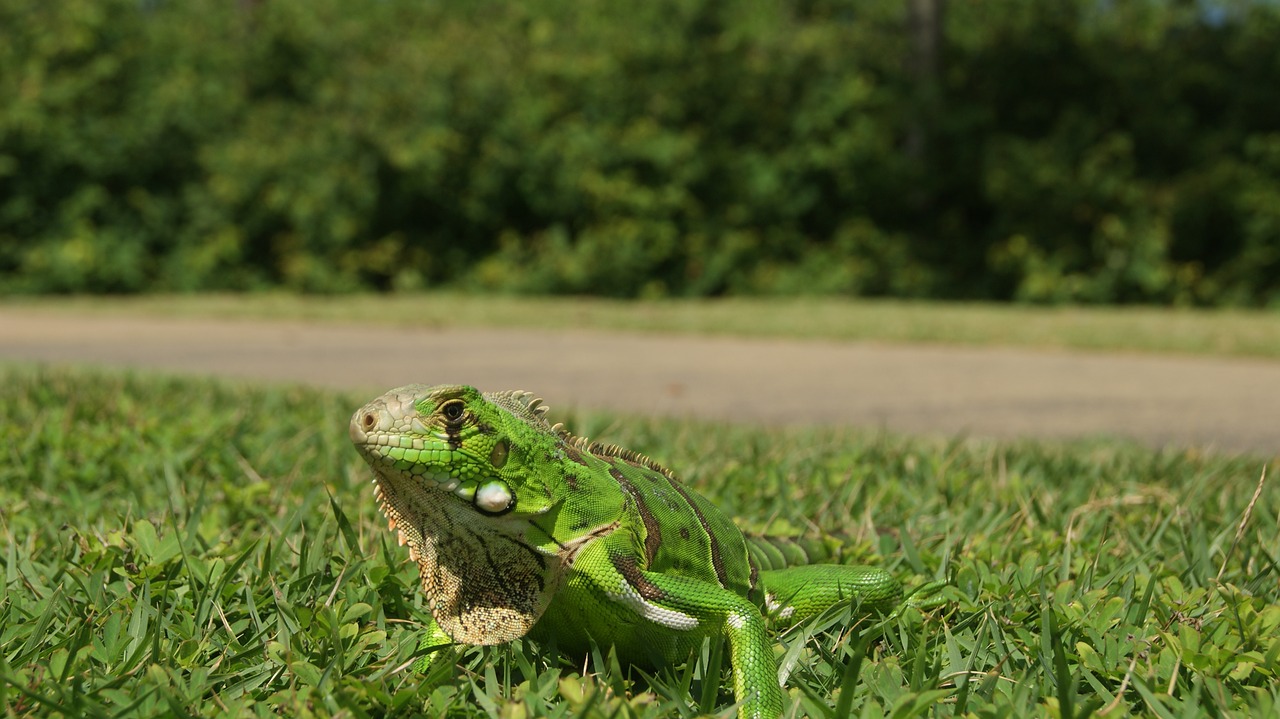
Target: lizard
[[519, 528]]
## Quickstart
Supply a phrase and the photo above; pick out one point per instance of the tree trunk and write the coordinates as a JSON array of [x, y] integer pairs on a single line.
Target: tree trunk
[[924, 23]]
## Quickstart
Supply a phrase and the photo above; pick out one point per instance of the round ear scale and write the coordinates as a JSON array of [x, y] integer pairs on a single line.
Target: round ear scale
[[494, 497], [498, 457]]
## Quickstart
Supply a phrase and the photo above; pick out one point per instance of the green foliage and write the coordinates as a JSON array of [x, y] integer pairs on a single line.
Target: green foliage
[[1128, 163], [183, 547], [1067, 150]]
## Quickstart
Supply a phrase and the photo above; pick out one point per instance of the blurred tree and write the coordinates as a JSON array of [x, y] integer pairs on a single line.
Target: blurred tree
[[1049, 151]]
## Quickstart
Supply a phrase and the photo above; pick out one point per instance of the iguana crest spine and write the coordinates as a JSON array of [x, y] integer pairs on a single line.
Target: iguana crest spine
[[528, 406]]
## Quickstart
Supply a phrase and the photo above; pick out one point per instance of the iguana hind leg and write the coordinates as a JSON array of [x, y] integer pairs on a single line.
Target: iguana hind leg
[[798, 593]]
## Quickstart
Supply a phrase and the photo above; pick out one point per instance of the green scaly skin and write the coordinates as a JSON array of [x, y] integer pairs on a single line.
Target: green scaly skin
[[520, 528]]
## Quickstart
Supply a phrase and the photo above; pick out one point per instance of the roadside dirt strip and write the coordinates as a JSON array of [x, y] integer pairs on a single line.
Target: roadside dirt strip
[[1216, 403]]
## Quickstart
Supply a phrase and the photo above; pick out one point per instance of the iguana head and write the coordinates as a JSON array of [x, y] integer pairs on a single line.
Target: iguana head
[[452, 443], [457, 474]]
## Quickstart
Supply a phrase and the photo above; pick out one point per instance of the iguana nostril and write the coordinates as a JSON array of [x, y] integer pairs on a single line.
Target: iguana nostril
[[363, 423]]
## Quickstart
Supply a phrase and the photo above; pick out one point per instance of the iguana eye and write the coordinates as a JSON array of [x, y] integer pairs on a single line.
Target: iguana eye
[[452, 410]]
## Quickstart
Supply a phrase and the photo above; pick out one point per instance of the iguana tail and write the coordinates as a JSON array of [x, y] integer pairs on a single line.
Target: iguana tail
[[773, 553]]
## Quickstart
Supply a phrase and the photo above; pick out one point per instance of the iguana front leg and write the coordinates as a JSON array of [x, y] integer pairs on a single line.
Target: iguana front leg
[[725, 614], [661, 605], [440, 650]]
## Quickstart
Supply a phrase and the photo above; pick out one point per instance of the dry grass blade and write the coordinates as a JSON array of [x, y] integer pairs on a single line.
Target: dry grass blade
[[1244, 521]]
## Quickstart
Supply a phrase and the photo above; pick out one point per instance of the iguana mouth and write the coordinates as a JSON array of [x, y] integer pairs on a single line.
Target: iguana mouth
[[389, 432], [384, 431]]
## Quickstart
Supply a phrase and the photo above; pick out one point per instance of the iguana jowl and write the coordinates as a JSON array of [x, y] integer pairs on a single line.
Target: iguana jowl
[[519, 527]]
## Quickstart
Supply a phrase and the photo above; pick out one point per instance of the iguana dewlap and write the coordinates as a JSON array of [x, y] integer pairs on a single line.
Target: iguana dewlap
[[519, 527]]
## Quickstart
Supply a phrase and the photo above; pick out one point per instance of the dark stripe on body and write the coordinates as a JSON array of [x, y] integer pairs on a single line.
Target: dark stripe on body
[[634, 576], [569, 551], [550, 536], [717, 558], [574, 454], [652, 532]]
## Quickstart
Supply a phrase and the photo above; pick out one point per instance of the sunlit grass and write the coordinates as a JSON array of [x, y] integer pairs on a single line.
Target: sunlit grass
[[194, 548], [1141, 329]]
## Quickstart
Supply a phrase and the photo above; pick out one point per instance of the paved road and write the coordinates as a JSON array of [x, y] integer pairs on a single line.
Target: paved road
[[1228, 404]]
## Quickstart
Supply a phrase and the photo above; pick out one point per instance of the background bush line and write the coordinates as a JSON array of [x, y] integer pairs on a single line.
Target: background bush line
[[1065, 150]]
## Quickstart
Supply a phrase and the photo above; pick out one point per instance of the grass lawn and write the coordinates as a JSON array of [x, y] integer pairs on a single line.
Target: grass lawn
[[194, 548], [1253, 333]]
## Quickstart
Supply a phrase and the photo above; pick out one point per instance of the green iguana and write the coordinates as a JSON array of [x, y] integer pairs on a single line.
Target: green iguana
[[521, 528]]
